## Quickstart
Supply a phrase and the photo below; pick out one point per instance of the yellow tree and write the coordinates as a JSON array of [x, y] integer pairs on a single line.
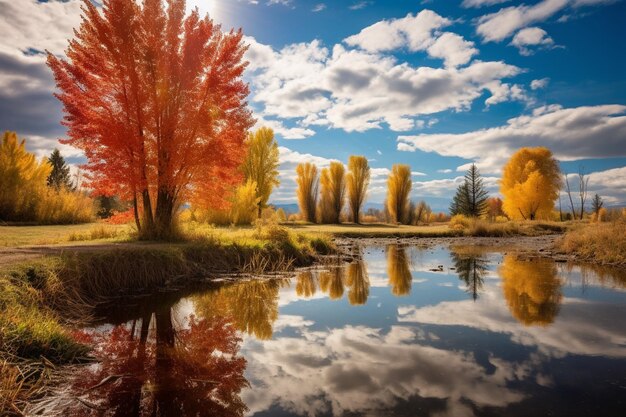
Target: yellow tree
[[530, 184], [333, 192], [357, 180], [398, 189], [245, 203], [22, 180], [398, 270], [261, 164], [531, 289], [308, 184]]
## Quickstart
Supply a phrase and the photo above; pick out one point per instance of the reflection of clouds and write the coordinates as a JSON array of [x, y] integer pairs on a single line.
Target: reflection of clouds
[[582, 327], [342, 370]]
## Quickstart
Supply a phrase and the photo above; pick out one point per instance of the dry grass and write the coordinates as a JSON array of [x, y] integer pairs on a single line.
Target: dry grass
[[14, 236], [375, 230], [603, 243]]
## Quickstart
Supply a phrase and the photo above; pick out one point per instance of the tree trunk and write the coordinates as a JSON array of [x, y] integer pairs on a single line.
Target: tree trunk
[[164, 215]]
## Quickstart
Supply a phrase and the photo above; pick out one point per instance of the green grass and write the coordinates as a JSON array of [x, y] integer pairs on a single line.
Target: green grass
[[14, 236]]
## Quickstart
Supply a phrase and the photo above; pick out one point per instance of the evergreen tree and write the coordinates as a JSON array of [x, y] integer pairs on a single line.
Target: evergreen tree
[[477, 195], [460, 201], [596, 204], [471, 196], [60, 175]]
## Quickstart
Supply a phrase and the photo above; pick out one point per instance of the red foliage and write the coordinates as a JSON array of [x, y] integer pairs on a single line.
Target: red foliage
[[121, 217], [156, 101]]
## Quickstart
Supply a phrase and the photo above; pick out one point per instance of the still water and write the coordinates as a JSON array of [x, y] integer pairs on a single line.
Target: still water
[[405, 331]]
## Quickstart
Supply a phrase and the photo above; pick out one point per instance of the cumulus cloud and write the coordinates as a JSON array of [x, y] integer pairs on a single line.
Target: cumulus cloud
[[571, 133], [502, 24], [529, 37], [27, 105], [358, 89]]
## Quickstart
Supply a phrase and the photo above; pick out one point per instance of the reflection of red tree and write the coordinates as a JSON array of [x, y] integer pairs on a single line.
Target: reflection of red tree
[[189, 372]]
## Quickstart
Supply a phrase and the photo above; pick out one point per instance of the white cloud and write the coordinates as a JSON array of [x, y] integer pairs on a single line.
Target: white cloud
[[444, 171], [539, 84], [610, 185], [532, 36], [413, 32], [359, 90], [281, 2], [502, 24], [571, 134], [481, 3], [318, 7]]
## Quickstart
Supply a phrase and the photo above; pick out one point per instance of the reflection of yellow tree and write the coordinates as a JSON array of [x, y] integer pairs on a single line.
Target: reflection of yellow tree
[[398, 270], [305, 284], [532, 290], [358, 282], [332, 282], [252, 305]]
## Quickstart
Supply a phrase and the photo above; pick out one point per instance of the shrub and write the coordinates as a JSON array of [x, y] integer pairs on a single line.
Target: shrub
[[459, 222]]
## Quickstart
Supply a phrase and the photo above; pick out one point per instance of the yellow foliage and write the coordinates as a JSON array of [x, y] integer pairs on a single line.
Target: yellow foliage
[[245, 203], [261, 164], [359, 283], [308, 184], [530, 184], [332, 194], [398, 189], [459, 222], [400, 278], [332, 282], [24, 195], [357, 181], [532, 290]]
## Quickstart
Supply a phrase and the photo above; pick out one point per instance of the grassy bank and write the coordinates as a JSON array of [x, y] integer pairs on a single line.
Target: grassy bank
[[13, 236], [41, 298], [602, 243]]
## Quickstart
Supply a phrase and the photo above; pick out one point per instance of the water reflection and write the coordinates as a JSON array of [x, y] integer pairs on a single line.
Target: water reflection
[[252, 306], [398, 270], [471, 265], [161, 369], [532, 290], [526, 335], [359, 283]]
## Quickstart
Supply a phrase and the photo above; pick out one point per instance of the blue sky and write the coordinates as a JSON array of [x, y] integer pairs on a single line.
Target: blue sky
[[434, 84]]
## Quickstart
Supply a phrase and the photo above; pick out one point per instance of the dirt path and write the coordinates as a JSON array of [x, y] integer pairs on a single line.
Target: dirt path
[[24, 253]]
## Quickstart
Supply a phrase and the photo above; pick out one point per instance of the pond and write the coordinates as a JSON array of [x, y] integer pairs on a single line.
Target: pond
[[406, 331]]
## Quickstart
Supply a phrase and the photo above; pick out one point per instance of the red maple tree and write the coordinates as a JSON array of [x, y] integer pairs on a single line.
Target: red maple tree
[[156, 101]]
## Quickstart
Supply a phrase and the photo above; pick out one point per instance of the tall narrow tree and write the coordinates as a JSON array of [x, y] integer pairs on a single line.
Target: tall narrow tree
[[261, 164], [308, 184], [357, 180], [476, 192], [332, 193], [398, 189], [60, 175], [460, 201], [156, 101]]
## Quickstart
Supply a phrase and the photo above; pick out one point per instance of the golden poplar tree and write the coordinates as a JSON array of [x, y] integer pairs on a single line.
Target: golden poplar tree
[[308, 184], [332, 193], [357, 180], [261, 164], [530, 184], [398, 189], [22, 180]]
